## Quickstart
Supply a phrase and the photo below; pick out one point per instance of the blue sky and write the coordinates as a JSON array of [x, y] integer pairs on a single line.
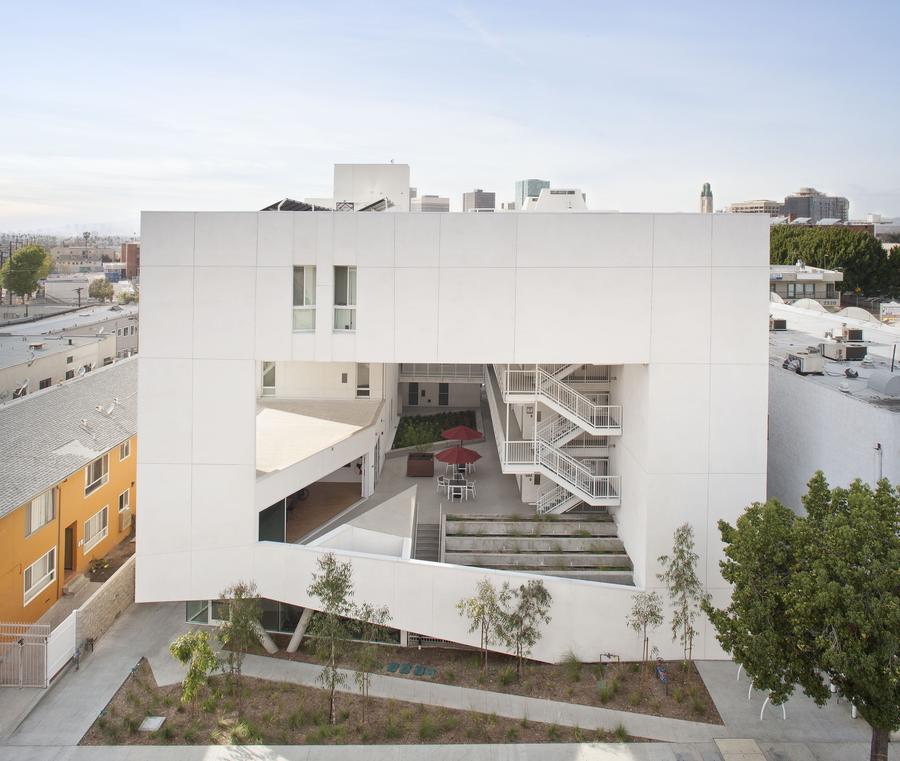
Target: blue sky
[[110, 108]]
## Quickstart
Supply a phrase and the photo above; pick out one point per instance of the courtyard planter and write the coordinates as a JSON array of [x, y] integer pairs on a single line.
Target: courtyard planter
[[420, 464]]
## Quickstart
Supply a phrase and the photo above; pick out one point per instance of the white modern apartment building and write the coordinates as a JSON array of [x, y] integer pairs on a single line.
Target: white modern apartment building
[[279, 350]]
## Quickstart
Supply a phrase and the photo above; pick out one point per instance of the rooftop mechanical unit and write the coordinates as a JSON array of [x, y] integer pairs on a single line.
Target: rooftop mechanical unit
[[775, 324], [808, 362], [844, 352], [852, 334]]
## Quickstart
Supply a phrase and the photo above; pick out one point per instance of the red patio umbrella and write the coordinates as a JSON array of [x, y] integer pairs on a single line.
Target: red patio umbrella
[[457, 456], [462, 433]]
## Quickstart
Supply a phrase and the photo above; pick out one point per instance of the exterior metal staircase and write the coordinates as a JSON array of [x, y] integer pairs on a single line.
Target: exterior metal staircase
[[537, 385]]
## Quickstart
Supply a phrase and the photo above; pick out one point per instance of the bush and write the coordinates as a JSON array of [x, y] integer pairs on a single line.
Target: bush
[[635, 698], [620, 733], [698, 707], [190, 736], [393, 730], [553, 733], [427, 729], [131, 724], [507, 676], [572, 667], [210, 704], [678, 694], [605, 692], [634, 667], [450, 676], [599, 670], [512, 734], [421, 429], [579, 735]]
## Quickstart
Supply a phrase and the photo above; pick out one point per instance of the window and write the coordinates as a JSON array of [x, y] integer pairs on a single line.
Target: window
[[830, 291], [268, 379], [443, 394], [45, 383], [124, 450], [119, 331], [125, 501], [96, 529], [70, 374], [40, 511], [69, 360], [304, 298], [345, 298], [39, 575], [362, 380], [344, 377], [96, 474], [413, 396], [537, 479]]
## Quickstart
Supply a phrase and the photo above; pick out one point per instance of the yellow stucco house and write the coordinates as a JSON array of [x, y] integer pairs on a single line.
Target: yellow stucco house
[[67, 484]]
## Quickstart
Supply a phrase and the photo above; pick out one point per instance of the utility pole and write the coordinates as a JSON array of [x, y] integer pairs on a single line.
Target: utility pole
[[78, 291]]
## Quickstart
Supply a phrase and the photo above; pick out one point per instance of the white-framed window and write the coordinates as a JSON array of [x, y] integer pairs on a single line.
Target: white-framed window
[[304, 298], [125, 450], [96, 474], [125, 501], [268, 379], [96, 529], [39, 575], [40, 511], [362, 380], [344, 298]]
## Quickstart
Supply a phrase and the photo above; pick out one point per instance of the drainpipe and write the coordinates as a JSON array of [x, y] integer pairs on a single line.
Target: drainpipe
[[879, 454]]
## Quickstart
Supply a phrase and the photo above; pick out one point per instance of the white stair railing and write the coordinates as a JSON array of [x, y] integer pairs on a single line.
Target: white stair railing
[[574, 404], [557, 499], [558, 429]]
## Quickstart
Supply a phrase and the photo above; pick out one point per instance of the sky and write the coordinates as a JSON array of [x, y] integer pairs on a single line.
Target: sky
[[110, 108]]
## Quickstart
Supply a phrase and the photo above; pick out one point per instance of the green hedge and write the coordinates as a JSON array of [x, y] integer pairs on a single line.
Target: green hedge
[[424, 429]]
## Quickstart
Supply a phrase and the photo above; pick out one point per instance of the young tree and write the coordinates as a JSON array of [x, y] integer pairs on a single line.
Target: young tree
[[193, 650], [239, 631], [484, 614], [524, 610], [372, 622], [684, 587], [22, 271], [646, 613], [100, 288], [332, 584], [819, 596]]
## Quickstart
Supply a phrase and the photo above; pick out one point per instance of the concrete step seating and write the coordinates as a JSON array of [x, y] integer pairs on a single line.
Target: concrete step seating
[[576, 545]]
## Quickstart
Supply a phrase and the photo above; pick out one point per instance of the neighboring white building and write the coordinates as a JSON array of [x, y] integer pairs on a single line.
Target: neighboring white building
[[357, 186], [276, 345], [844, 421], [119, 320], [792, 282], [29, 363]]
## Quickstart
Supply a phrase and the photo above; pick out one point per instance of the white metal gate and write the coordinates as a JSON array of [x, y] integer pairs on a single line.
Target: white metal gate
[[23, 655]]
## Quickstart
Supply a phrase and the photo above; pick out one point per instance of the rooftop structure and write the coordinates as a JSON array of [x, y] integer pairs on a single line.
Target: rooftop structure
[[557, 199], [800, 281], [761, 206], [809, 202], [706, 199], [430, 203], [603, 391], [479, 200], [526, 189]]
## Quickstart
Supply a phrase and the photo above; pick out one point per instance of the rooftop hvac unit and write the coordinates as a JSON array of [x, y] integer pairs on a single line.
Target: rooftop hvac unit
[[844, 352], [777, 324], [805, 362], [852, 334]]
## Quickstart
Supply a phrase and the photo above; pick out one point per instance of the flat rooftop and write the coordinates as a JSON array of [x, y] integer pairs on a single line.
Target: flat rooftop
[[288, 431], [88, 317], [14, 349], [807, 328]]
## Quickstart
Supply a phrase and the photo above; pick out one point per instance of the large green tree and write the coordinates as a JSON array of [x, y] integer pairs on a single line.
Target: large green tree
[[101, 288], [524, 610], [22, 271], [817, 597], [679, 574], [860, 256], [240, 629]]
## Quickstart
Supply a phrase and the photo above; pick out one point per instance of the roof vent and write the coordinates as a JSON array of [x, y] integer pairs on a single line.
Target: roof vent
[[844, 388], [885, 382]]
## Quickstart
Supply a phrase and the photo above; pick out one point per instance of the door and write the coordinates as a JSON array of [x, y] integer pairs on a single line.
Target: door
[[443, 394], [69, 551], [413, 396]]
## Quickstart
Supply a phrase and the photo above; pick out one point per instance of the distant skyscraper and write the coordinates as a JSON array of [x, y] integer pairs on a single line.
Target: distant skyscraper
[[479, 200], [810, 203], [706, 200], [430, 203], [529, 189]]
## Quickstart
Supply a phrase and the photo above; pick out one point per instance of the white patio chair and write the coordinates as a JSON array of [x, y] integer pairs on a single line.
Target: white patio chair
[[470, 489], [440, 483]]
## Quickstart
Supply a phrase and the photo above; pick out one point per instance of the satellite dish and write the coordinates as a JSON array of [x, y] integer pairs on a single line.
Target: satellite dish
[[81, 372]]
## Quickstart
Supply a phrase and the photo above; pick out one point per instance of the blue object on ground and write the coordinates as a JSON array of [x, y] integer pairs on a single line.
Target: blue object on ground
[[405, 668], [392, 667]]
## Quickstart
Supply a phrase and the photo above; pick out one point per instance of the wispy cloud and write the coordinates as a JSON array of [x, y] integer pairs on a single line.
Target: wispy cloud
[[470, 21]]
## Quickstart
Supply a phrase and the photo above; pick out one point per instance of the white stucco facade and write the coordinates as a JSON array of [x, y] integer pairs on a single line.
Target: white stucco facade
[[676, 302]]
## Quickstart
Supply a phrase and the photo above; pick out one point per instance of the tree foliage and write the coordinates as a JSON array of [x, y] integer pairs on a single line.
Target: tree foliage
[[819, 596], [22, 271], [646, 614], [373, 621], [485, 616], [685, 591], [332, 585], [240, 629], [523, 611], [100, 288], [193, 650], [861, 257]]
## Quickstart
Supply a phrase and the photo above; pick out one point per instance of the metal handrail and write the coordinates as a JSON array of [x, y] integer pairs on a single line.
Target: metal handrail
[[540, 382], [574, 473]]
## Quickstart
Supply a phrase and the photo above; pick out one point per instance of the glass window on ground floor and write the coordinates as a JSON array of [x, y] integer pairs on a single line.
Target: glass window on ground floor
[[39, 575]]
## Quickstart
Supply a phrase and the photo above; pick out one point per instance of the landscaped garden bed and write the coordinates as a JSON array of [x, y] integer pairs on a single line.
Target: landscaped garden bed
[[418, 430], [278, 713], [621, 686], [100, 569]]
